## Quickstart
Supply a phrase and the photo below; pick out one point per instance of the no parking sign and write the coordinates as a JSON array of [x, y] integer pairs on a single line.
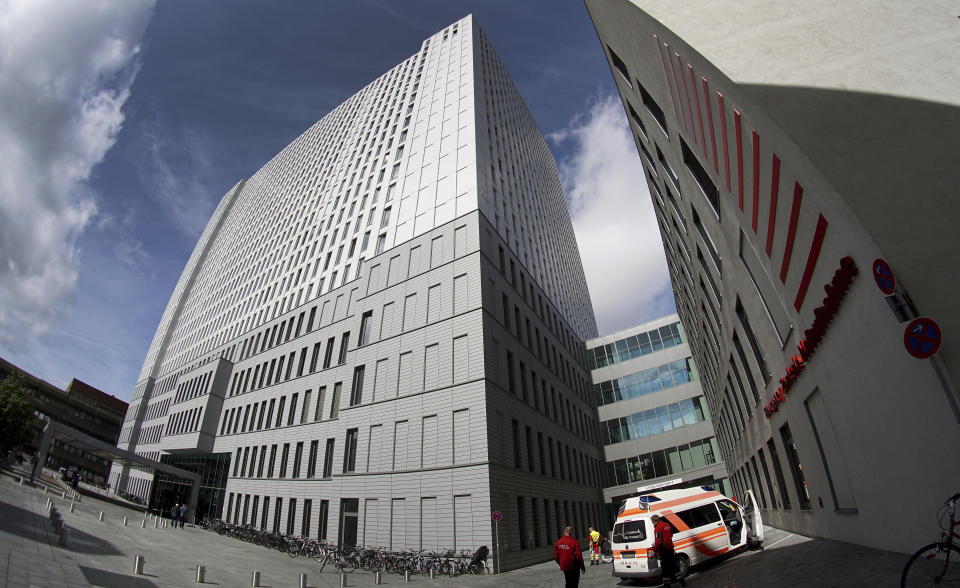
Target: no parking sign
[[922, 338]]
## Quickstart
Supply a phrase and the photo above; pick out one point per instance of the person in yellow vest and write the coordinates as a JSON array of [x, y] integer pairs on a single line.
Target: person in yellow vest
[[595, 538]]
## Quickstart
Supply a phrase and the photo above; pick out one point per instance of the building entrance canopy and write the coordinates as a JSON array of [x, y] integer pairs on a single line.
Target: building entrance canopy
[[61, 432]]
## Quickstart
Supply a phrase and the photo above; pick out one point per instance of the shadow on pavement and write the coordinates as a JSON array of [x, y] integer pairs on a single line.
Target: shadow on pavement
[[30, 525], [98, 577]]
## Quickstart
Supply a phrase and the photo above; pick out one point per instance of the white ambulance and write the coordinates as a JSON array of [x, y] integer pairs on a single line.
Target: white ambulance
[[706, 524]]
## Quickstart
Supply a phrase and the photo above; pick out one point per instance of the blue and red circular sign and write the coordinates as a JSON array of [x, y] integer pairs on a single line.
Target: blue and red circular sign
[[922, 338], [496, 515], [883, 276]]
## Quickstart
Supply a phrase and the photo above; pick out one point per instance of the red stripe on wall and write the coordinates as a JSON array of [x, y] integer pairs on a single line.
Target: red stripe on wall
[[723, 132], [811, 262], [671, 87], [774, 193], [791, 231], [693, 85], [686, 91], [677, 80], [713, 138], [756, 179], [736, 120]]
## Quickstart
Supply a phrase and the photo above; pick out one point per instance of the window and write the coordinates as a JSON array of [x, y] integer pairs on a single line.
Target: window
[[335, 401], [293, 409], [778, 471], [328, 460], [365, 321], [653, 107], [385, 219], [619, 65], [328, 355], [702, 177], [752, 340], [381, 244], [297, 459], [516, 443], [285, 456], [273, 459], [350, 451], [344, 343], [793, 458], [305, 524], [312, 459], [356, 394], [292, 515]]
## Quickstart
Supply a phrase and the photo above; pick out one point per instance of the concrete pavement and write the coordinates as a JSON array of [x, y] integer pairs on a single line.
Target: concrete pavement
[[102, 554]]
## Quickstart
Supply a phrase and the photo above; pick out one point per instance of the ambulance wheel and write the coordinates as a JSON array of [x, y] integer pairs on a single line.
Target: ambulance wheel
[[683, 565]]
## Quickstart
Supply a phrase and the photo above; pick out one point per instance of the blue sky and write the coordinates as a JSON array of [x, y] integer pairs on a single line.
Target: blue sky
[[123, 122]]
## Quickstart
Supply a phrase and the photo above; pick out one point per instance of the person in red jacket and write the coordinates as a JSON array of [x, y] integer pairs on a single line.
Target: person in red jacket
[[567, 553], [663, 547]]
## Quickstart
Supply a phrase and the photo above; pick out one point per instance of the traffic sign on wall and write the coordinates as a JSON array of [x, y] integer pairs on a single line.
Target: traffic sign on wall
[[883, 276], [922, 338]]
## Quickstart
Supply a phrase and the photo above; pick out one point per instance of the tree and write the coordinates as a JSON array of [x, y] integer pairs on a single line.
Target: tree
[[16, 414]]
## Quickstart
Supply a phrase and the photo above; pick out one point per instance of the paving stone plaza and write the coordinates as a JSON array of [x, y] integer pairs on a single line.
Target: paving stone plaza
[[102, 553]]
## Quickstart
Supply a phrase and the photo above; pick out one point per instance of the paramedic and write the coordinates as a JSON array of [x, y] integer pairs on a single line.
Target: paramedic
[[663, 547], [567, 553], [595, 538]]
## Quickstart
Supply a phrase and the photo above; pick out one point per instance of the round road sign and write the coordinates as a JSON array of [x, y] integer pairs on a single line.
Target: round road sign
[[496, 515], [883, 276], [922, 338]]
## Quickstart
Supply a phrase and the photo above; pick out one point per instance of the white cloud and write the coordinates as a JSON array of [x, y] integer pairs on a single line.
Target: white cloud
[[613, 218], [67, 67]]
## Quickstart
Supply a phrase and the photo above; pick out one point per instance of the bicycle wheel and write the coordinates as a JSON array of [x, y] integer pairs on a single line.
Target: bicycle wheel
[[935, 564]]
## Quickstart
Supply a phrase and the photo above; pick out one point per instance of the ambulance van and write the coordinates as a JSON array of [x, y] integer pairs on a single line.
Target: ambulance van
[[706, 524]]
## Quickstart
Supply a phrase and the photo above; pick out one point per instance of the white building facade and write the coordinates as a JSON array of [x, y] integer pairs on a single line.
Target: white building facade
[[378, 338], [655, 423], [795, 154]]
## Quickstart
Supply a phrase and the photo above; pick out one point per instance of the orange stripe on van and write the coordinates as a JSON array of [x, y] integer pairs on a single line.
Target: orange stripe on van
[[657, 506], [705, 536]]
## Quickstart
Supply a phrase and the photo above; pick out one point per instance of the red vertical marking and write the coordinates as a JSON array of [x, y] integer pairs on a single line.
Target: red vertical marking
[[696, 99], [686, 91], [663, 60], [736, 120], [676, 82], [791, 231], [756, 179], [713, 138], [774, 193], [811, 262], [723, 131]]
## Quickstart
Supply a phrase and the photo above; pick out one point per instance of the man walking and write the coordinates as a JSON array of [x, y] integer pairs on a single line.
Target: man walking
[[663, 547], [567, 553], [182, 514]]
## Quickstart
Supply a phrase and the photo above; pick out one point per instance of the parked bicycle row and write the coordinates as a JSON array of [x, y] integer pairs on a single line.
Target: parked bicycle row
[[347, 558]]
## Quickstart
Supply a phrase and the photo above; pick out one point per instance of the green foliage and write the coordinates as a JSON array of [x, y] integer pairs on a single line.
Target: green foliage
[[16, 414]]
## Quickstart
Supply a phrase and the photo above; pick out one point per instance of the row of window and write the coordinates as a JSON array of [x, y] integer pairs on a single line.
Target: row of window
[[665, 462], [564, 462], [645, 382], [656, 420], [194, 387], [635, 346], [187, 421]]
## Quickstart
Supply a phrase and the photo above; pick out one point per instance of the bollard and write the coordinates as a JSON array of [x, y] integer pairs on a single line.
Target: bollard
[[143, 524], [378, 578], [124, 521], [71, 506], [406, 575], [63, 494], [64, 535], [46, 489], [101, 515], [201, 574], [155, 523], [255, 580], [303, 581], [21, 481], [138, 565], [433, 573], [343, 579]]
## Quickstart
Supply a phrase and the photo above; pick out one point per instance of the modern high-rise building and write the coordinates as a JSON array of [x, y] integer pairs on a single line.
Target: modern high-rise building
[[655, 423], [801, 162], [378, 338]]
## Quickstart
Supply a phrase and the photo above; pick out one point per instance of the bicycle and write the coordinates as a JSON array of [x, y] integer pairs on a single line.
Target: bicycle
[[933, 563], [606, 551]]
